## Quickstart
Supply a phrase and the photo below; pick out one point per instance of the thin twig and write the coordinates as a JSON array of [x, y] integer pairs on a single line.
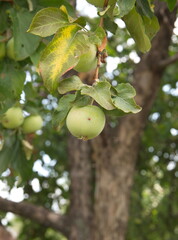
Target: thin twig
[[96, 74]]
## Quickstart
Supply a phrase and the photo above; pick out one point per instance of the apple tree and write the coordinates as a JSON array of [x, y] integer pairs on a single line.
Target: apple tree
[[53, 78]]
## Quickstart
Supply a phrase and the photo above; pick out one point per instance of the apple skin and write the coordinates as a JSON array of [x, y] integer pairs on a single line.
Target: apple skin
[[2, 50], [10, 49], [32, 124], [88, 60], [85, 122], [13, 118]]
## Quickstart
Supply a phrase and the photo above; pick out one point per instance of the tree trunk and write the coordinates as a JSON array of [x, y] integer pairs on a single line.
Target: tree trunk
[[115, 151], [80, 189]]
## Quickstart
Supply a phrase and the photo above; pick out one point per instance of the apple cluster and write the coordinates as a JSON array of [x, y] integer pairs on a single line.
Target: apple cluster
[[14, 118]]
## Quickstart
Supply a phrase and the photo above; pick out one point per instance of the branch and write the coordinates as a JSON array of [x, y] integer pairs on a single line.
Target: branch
[[168, 61], [41, 215]]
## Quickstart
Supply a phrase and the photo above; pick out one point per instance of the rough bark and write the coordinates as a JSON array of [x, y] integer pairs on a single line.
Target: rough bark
[[35, 213], [80, 189]]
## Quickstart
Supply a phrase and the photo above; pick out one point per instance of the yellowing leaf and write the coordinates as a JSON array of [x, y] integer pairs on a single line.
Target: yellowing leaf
[[61, 54]]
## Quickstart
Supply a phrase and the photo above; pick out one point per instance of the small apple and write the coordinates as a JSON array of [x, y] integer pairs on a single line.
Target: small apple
[[2, 50], [13, 118], [32, 124], [10, 49], [85, 122], [88, 60]]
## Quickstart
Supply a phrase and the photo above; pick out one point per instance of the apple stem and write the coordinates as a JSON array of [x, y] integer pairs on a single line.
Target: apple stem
[[99, 52]]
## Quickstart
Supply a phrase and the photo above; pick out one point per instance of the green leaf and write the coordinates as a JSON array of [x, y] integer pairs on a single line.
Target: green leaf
[[30, 92], [97, 36], [25, 43], [144, 7], [61, 54], [82, 101], [35, 57], [57, 3], [110, 12], [136, 28], [64, 105], [125, 90], [8, 156], [123, 98], [80, 21], [100, 92], [125, 6], [20, 163], [151, 26], [126, 105], [7, 153], [171, 4], [103, 12], [3, 17], [110, 25], [70, 84], [6, 104], [48, 20], [11, 82], [115, 113]]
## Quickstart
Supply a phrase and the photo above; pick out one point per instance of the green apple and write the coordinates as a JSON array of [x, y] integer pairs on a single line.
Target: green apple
[[13, 118], [2, 50], [32, 124], [88, 60], [85, 122], [10, 49]]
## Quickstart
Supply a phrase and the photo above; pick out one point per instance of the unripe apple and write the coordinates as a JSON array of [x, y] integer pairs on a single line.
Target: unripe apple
[[10, 49], [88, 60], [13, 118], [32, 124], [2, 50], [85, 122]]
